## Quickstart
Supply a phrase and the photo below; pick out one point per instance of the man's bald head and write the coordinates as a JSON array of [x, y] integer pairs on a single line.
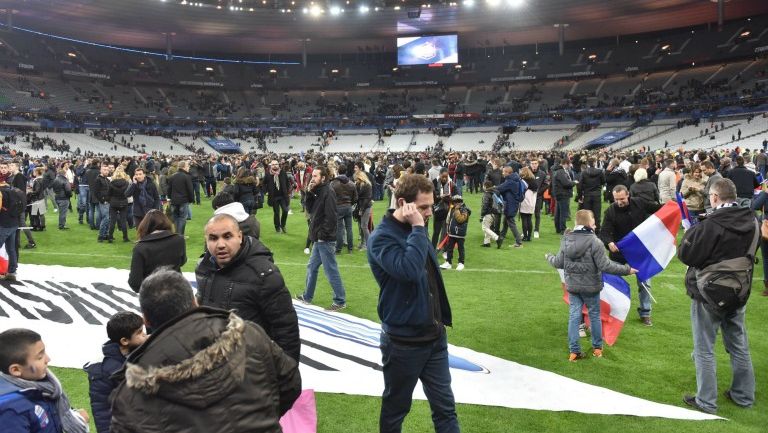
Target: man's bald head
[[223, 238]]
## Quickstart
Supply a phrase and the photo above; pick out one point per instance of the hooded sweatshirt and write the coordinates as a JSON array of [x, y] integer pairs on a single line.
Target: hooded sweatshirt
[[583, 259]]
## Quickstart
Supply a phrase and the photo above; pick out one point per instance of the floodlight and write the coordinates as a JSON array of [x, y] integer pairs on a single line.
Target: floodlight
[[516, 3], [364, 9], [335, 10]]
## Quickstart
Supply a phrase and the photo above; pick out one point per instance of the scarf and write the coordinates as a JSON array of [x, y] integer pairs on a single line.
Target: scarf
[[276, 177], [50, 387]]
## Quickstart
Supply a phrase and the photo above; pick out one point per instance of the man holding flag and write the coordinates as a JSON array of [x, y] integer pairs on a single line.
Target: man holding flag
[[623, 216]]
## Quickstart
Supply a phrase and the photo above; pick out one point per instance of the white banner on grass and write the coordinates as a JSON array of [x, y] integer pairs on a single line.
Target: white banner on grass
[[340, 353]]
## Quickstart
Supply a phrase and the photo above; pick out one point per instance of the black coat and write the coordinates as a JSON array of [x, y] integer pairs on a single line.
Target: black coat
[[61, 188], [346, 193], [245, 190], [645, 190], [364, 196], [272, 189], [745, 181], [100, 189], [613, 178], [91, 173], [163, 248], [321, 203], [243, 382], [251, 284], [592, 181], [562, 184], [726, 233], [180, 188], [618, 221], [117, 198]]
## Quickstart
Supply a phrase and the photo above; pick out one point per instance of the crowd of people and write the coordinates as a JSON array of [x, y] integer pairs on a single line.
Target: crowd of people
[[614, 191]]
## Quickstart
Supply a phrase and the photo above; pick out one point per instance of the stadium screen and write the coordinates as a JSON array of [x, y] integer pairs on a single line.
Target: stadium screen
[[426, 50]]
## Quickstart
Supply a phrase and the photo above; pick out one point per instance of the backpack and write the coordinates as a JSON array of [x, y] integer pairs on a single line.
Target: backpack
[[725, 286], [13, 201], [497, 204]]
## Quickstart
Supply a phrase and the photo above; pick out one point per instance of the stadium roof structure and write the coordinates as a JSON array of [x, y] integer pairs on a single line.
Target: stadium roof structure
[[341, 26]]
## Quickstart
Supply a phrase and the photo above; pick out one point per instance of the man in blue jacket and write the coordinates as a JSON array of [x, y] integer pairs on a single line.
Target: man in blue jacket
[[31, 398], [512, 193], [413, 308]]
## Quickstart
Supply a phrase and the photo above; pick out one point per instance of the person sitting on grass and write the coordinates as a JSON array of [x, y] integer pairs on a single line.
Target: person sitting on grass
[[126, 332], [582, 258], [31, 397]]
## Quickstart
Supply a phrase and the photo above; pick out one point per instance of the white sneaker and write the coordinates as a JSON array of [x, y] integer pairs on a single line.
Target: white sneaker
[[460, 267], [306, 250], [445, 256], [445, 265], [290, 212], [582, 331], [535, 235]]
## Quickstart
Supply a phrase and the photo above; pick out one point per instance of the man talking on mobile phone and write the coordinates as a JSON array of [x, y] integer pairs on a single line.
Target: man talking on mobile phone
[[413, 308]]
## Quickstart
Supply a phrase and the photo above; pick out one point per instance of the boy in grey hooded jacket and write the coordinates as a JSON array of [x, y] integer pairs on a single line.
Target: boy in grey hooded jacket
[[582, 258]]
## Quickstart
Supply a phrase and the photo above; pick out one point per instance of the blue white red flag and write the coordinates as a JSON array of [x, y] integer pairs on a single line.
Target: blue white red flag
[[651, 246], [614, 305], [684, 214], [3, 260]]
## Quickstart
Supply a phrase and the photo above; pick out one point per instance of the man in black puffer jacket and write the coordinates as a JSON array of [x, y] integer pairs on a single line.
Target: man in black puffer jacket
[[238, 273], [589, 190]]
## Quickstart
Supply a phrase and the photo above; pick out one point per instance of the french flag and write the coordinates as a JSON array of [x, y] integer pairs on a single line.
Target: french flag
[[614, 305], [3, 261], [684, 214], [651, 246]]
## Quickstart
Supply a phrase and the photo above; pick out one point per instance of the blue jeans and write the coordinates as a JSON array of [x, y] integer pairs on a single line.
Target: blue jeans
[[403, 365], [180, 213], [82, 203], [8, 238], [92, 215], [577, 301], [459, 184], [210, 186], [103, 220], [644, 310], [705, 324], [561, 214], [324, 253], [63, 206], [344, 224], [196, 190], [378, 191]]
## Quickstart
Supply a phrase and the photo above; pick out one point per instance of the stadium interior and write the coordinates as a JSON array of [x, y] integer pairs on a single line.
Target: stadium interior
[[645, 90]]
